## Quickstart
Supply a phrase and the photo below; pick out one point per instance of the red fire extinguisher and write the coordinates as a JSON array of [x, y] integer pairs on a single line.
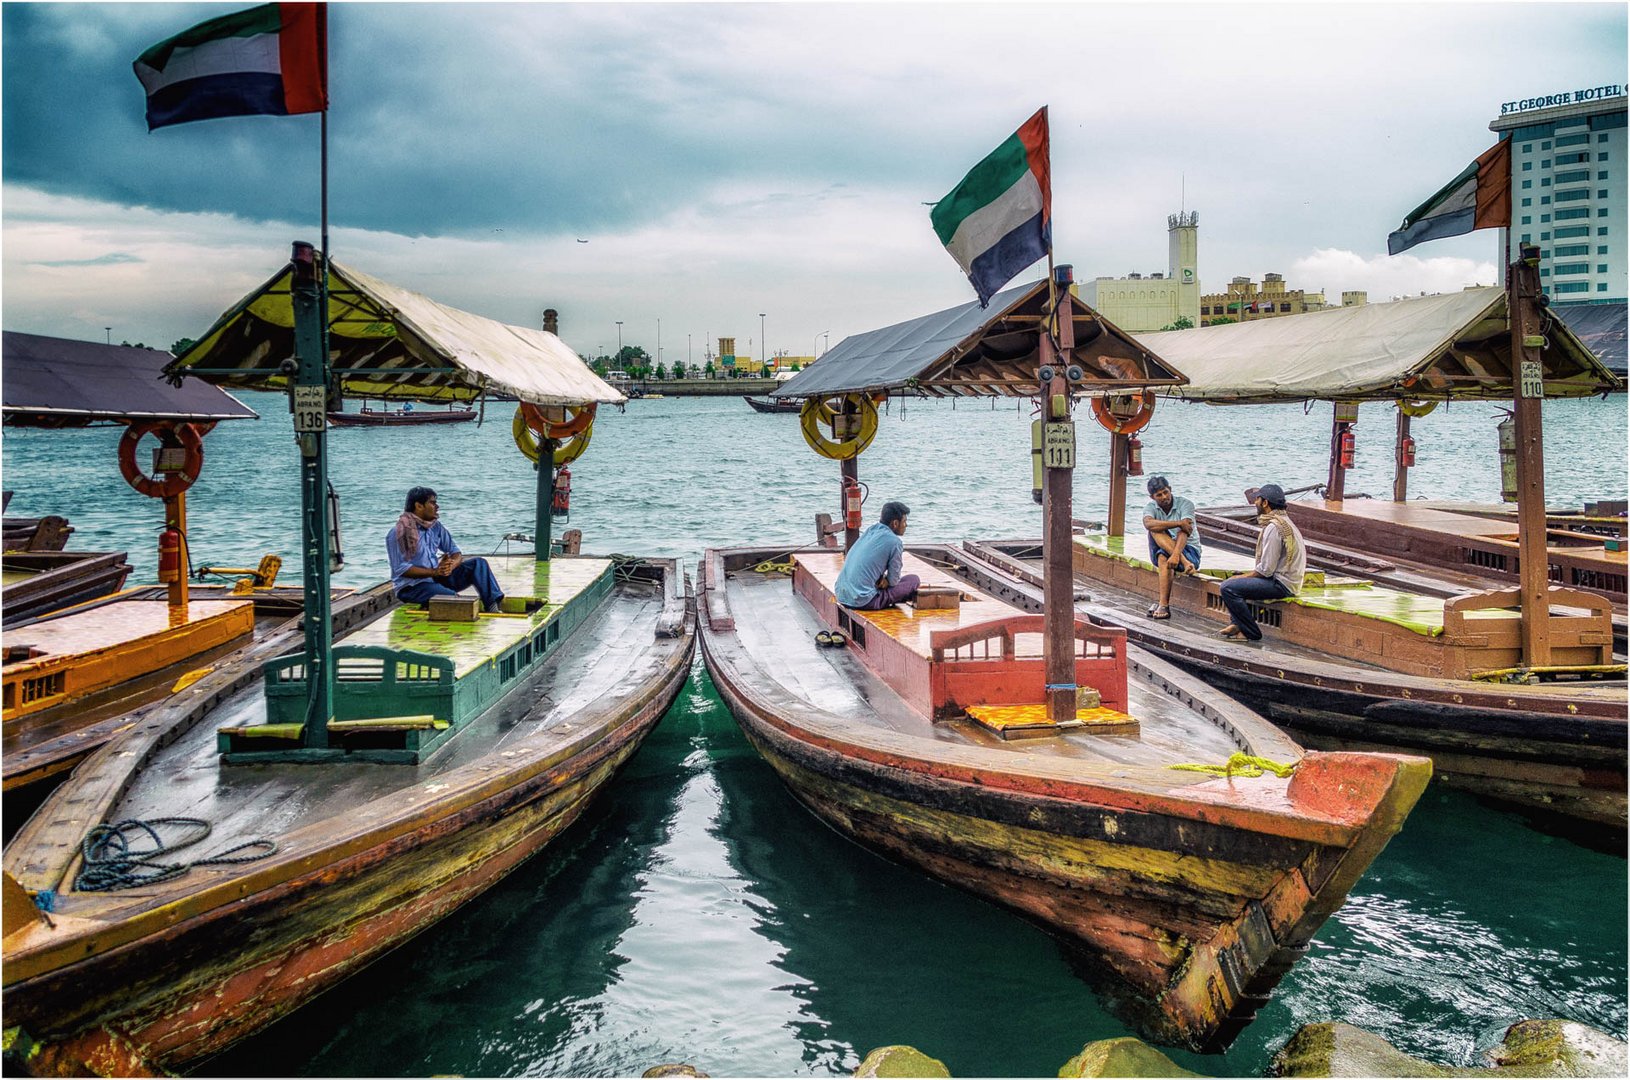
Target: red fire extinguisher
[[1348, 444], [1406, 452], [563, 492], [1134, 456], [169, 556], [851, 505]]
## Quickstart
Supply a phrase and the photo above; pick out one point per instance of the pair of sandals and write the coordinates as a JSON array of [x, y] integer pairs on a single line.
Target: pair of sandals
[[831, 639], [1158, 611], [1233, 633]]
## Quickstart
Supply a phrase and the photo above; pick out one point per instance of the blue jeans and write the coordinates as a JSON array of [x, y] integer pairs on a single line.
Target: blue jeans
[[1237, 592], [889, 595], [469, 572], [1191, 552]]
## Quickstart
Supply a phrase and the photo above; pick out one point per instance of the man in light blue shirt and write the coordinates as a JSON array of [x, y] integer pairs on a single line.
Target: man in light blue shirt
[[426, 563], [1174, 540], [871, 576]]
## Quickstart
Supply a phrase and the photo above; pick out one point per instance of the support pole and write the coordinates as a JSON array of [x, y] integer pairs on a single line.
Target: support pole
[[1400, 474], [1058, 564], [849, 471], [310, 392], [1335, 484], [175, 517], [1533, 559], [1117, 484], [544, 539]]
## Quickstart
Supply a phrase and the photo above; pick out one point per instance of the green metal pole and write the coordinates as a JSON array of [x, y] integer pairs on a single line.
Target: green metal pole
[[310, 396], [546, 500]]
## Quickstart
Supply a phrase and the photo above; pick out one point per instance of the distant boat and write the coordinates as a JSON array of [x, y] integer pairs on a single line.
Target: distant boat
[[773, 405], [407, 414]]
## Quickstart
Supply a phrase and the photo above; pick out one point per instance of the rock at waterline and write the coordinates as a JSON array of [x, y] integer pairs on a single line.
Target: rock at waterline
[[1531, 1048], [901, 1061], [1122, 1057], [673, 1070]]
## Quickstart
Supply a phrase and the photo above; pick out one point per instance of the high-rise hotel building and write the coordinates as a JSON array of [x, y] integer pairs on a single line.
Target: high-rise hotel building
[[1568, 172]]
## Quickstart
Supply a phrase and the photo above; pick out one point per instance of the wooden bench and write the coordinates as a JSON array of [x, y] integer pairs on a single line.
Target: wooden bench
[[1404, 632], [943, 661]]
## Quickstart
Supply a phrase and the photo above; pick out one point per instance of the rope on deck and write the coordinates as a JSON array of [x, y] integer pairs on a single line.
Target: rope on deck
[[109, 862], [770, 566], [1238, 764]]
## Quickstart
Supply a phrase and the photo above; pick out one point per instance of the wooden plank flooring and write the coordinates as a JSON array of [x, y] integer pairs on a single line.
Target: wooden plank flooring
[[777, 628]]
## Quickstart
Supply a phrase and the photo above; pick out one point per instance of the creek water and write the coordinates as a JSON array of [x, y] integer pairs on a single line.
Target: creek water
[[697, 913]]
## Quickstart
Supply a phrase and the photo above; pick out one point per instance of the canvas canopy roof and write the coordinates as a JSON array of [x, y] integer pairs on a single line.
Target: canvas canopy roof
[[1457, 345], [57, 382], [1601, 327], [386, 342], [969, 351]]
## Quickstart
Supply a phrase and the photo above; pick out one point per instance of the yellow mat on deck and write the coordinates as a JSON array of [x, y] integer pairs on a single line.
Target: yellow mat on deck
[[1016, 719]]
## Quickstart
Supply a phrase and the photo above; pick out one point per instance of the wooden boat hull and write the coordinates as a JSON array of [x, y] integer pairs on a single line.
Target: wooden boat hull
[[1554, 749], [57, 579], [156, 978], [772, 406], [1197, 908], [396, 418]]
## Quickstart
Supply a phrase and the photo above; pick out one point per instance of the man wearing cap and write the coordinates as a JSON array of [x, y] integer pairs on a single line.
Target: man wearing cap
[[1174, 540], [1281, 562]]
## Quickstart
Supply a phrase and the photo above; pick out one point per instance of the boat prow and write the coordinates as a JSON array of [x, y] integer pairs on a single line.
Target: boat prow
[[367, 852], [1195, 891]]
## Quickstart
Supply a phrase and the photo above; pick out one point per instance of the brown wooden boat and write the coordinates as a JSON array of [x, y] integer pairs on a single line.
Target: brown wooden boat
[[155, 977], [366, 417], [1359, 666], [37, 582], [1191, 893], [773, 405]]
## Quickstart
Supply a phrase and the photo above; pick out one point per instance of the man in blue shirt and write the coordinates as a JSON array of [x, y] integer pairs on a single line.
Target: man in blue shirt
[[426, 563], [1174, 540], [871, 576]]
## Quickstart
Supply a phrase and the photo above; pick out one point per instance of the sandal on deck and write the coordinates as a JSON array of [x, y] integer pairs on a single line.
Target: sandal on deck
[[831, 639], [1232, 633], [1159, 612]]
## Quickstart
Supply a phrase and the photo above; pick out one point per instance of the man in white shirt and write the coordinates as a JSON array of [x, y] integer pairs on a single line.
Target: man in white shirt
[[1281, 563]]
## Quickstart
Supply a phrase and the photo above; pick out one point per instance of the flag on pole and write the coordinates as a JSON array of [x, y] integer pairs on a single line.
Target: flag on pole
[[999, 219], [1479, 198], [269, 60]]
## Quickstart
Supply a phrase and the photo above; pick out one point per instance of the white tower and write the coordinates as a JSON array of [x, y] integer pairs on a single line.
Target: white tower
[[1183, 245]]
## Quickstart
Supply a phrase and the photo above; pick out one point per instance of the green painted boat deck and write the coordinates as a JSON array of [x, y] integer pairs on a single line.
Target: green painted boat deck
[[471, 644], [1354, 596]]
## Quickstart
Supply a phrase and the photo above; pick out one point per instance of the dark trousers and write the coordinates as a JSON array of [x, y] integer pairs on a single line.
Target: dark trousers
[[889, 595], [1237, 592], [469, 572]]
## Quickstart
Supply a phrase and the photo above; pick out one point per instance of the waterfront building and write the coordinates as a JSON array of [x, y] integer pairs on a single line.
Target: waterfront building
[[1568, 191], [1246, 301], [1138, 303]]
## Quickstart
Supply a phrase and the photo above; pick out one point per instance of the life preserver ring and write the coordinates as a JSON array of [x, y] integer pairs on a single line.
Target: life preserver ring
[[817, 411], [1116, 425], [578, 418], [566, 453], [174, 483], [1416, 408]]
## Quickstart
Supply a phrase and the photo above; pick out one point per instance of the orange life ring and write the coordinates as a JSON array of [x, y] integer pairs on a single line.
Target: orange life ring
[[174, 483], [581, 417], [1114, 424]]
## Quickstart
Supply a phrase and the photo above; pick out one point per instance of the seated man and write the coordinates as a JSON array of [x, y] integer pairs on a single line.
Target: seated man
[[1281, 563], [1174, 540], [426, 563], [871, 576]]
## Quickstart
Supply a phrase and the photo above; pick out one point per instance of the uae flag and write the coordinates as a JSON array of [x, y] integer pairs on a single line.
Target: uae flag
[[269, 60], [1479, 198], [999, 219]]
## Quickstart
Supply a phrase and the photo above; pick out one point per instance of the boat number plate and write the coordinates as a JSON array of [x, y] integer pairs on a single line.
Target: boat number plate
[[1533, 383], [310, 408], [1058, 445]]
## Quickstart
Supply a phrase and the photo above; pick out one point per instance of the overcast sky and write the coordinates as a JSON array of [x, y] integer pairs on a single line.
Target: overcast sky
[[723, 161]]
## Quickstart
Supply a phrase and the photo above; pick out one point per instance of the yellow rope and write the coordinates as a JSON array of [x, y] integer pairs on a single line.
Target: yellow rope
[[1241, 765], [769, 566]]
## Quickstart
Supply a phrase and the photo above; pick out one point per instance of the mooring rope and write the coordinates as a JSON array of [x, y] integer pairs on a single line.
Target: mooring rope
[[770, 566], [1238, 764], [110, 863]]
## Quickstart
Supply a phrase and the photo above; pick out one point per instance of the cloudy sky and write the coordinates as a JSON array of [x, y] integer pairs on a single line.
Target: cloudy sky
[[727, 160]]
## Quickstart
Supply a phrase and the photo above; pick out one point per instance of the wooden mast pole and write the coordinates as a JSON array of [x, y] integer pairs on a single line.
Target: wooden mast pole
[[1534, 563], [1335, 485], [1117, 484], [1400, 474], [1058, 569]]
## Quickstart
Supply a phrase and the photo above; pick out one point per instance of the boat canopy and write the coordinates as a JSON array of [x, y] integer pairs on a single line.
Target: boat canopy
[[57, 382], [1454, 345], [1601, 327], [386, 342], [968, 351]]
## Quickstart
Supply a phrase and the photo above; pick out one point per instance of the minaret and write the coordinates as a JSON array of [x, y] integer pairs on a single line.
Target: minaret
[[1183, 246]]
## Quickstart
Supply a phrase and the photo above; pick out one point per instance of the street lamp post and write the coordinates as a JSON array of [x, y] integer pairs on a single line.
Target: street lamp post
[[619, 341], [659, 342], [815, 346], [827, 334], [763, 367]]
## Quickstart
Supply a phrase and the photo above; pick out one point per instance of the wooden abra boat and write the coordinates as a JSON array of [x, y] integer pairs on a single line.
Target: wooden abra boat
[[37, 582], [366, 417], [925, 739]]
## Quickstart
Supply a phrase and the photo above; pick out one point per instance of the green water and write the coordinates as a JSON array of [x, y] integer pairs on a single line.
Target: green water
[[697, 913]]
